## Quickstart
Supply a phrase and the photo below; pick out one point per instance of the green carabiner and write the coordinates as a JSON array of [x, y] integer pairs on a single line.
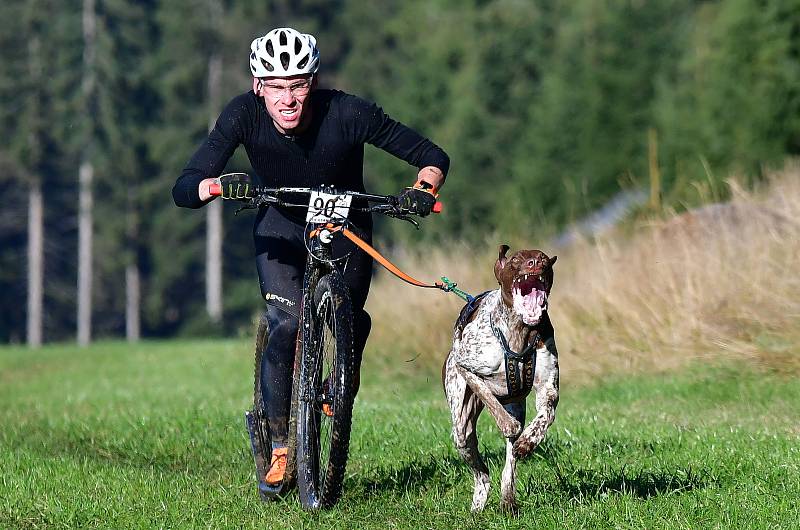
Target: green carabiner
[[450, 286]]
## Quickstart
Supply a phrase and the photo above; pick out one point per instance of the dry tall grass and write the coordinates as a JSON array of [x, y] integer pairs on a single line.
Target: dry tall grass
[[718, 282]]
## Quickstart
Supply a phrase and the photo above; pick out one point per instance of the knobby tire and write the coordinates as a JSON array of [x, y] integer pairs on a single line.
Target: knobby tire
[[326, 376]]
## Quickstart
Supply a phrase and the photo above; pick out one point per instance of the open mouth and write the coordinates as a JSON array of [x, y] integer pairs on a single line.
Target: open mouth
[[529, 294]]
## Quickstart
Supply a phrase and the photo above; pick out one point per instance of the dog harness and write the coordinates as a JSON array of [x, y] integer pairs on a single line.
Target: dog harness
[[519, 365], [468, 309]]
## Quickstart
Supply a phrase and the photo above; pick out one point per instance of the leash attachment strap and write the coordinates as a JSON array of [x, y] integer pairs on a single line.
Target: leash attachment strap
[[445, 285], [377, 256]]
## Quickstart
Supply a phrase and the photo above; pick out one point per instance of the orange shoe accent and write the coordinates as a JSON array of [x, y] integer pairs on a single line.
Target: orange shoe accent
[[327, 410], [277, 468]]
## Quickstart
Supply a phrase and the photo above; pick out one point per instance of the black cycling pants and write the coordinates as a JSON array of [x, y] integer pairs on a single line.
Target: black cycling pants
[[280, 260]]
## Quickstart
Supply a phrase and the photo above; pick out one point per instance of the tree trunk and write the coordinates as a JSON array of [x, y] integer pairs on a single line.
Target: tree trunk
[[133, 291], [133, 297], [214, 261], [85, 177], [214, 209], [34, 323], [35, 263]]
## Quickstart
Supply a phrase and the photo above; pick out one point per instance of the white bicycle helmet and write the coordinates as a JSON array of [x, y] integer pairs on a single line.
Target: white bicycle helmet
[[284, 52]]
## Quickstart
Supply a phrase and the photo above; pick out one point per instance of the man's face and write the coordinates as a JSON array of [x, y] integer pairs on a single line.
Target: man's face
[[285, 98]]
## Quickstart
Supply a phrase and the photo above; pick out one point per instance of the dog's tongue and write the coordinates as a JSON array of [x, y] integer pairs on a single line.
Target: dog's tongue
[[530, 306]]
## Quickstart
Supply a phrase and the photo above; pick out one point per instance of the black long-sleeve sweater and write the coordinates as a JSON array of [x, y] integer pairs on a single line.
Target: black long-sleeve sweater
[[330, 151]]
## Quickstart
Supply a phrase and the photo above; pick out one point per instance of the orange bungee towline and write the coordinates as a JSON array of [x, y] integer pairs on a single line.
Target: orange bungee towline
[[445, 285]]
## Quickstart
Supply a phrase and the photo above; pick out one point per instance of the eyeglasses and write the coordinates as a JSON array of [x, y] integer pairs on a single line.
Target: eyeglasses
[[300, 88]]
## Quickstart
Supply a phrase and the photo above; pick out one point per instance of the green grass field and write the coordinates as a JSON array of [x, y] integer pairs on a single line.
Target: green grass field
[[152, 435]]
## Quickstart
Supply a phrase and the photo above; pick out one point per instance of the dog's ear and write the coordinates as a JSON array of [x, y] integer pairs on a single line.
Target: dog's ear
[[502, 252], [501, 261], [553, 260]]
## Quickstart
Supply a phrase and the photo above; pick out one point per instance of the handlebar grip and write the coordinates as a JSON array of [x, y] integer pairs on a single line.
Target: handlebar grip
[[215, 189], [437, 207]]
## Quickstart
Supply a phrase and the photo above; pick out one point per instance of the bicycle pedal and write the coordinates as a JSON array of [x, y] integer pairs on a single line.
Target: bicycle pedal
[[270, 493], [257, 444]]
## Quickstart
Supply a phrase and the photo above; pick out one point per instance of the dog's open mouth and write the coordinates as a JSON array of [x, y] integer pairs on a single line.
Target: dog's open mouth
[[529, 294]]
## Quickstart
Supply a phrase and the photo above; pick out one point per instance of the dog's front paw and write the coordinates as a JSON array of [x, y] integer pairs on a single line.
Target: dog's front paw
[[511, 428], [522, 447], [509, 506]]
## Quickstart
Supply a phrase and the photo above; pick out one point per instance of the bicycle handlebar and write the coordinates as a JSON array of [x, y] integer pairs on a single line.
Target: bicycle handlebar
[[263, 195]]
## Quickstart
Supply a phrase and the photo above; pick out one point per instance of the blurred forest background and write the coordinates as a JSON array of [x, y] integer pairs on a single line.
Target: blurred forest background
[[549, 109]]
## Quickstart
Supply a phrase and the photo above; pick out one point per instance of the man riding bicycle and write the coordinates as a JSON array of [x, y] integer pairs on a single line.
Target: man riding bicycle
[[298, 135]]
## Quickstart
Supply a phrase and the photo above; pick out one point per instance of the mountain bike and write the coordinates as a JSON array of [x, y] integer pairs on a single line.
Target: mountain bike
[[324, 375]]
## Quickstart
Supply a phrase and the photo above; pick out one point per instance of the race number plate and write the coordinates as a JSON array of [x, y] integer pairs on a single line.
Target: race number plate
[[326, 207]]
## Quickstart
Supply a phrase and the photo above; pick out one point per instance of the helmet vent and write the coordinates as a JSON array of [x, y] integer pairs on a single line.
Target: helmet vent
[[285, 59], [303, 62], [267, 65], [282, 38], [297, 46], [270, 49]]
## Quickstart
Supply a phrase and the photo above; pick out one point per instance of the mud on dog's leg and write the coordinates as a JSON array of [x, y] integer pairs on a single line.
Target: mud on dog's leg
[[505, 422], [465, 407], [508, 484], [545, 382]]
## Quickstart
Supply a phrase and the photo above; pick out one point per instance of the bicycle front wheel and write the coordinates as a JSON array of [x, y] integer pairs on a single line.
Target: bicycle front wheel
[[325, 391]]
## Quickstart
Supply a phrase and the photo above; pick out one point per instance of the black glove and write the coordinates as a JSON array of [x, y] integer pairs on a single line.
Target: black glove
[[236, 186], [417, 201]]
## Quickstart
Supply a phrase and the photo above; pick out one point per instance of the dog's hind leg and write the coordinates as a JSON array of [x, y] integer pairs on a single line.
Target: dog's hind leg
[[468, 448], [465, 407], [545, 381], [508, 484]]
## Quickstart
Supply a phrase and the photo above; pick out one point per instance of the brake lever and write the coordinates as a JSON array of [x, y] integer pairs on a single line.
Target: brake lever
[[410, 220], [251, 204], [394, 210], [405, 217]]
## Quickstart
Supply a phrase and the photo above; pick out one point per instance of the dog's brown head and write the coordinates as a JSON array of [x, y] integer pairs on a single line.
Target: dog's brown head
[[525, 282]]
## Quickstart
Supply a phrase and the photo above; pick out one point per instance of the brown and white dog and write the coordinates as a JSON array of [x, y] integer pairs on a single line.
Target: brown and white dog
[[503, 345]]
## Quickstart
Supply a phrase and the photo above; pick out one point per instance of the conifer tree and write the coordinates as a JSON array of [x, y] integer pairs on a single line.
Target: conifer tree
[[126, 108], [734, 102], [193, 85], [25, 95]]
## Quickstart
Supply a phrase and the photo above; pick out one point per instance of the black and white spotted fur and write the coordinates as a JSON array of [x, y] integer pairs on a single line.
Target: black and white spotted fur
[[474, 373]]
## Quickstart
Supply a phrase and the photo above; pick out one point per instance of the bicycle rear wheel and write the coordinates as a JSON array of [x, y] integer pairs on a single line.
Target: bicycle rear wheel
[[325, 395], [258, 425]]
